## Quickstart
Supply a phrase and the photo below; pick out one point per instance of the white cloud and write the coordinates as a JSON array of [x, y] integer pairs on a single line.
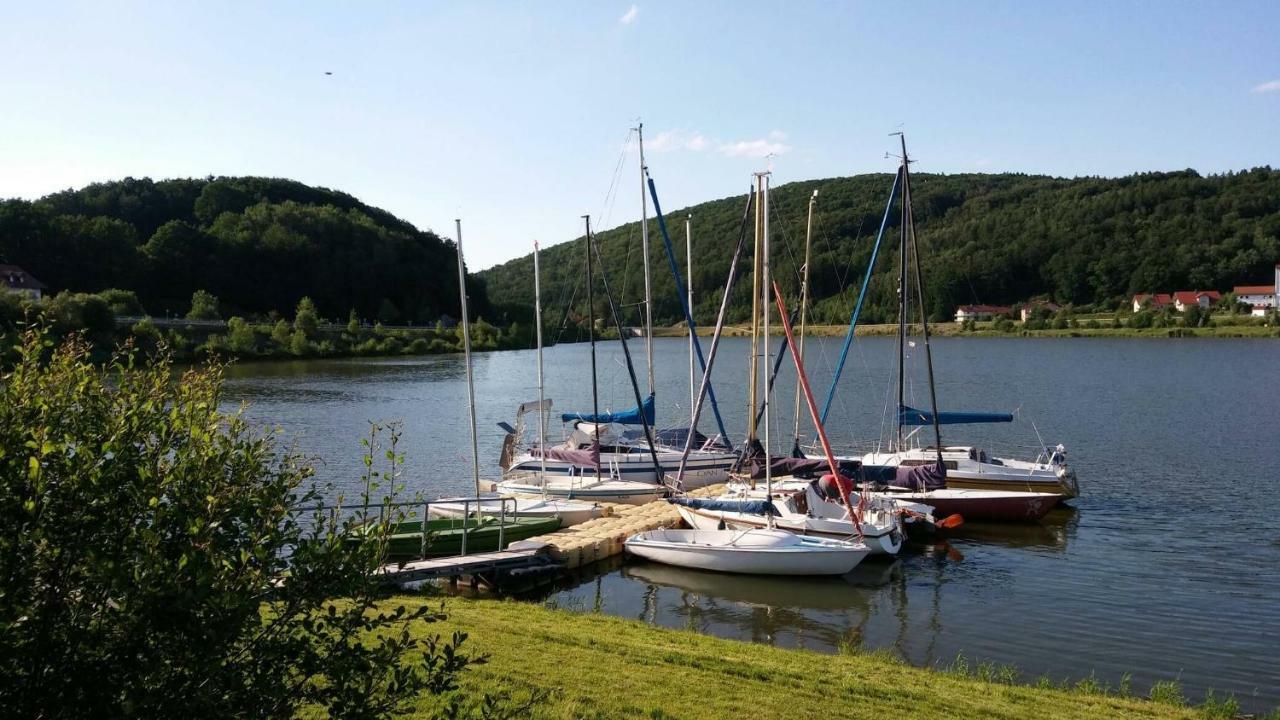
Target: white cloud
[[669, 140], [1266, 87], [774, 144], [630, 16]]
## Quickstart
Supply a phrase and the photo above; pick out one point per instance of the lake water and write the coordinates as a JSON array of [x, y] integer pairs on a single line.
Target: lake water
[[1167, 567]]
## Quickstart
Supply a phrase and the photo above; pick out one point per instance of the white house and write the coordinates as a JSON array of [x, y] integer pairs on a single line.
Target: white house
[[1184, 299], [981, 312], [15, 279], [1255, 295]]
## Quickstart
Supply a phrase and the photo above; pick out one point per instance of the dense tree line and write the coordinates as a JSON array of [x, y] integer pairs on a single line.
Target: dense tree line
[[258, 244], [995, 239]]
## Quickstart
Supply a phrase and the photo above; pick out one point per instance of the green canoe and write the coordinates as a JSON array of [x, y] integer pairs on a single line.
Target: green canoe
[[444, 536]]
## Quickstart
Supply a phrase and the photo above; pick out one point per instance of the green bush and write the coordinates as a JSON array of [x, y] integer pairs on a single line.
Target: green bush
[[122, 302], [305, 318], [418, 347], [204, 306], [159, 560]]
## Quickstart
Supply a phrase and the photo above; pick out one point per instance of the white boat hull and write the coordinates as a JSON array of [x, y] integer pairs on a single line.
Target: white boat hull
[[753, 552], [880, 539], [702, 469], [570, 512], [564, 488]]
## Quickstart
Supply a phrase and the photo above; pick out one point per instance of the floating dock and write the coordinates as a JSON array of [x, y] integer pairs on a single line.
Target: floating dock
[[604, 536]]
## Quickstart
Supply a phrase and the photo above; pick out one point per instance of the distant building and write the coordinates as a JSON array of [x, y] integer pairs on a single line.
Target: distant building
[[1260, 310], [1158, 301], [981, 312], [1184, 299], [1025, 313], [1255, 295], [17, 280]]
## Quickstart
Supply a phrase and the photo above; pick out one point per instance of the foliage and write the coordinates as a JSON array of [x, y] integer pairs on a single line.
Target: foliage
[[305, 319], [158, 560], [122, 302], [204, 306], [994, 239], [259, 244]]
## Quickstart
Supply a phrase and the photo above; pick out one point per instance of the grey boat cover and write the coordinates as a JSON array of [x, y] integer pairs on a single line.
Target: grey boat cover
[[753, 460], [586, 458], [922, 478]]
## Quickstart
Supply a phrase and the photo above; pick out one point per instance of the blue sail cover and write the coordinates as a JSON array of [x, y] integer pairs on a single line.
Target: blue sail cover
[[912, 416], [626, 417], [751, 507]]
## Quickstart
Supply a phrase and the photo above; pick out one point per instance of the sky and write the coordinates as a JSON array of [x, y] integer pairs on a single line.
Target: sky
[[517, 116]]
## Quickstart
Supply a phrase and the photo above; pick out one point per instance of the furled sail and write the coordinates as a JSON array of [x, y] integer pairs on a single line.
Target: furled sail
[[626, 417], [912, 416]]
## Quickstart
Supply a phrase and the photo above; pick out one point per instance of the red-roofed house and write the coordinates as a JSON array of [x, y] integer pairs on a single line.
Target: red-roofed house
[[1255, 295], [15, 279], [1186, 298], [981, 312], [1158, 301], [1036, 305]]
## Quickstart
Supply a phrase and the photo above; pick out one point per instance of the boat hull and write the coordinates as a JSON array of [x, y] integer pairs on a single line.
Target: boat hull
[[613, 491], [986, 505], [879, 540], [570, 512], [701, 470], [717, 551], [445, 536]]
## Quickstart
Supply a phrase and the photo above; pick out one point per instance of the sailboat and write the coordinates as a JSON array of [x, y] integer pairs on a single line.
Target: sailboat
[[570, 512], [800, 506], [627, 456], [575, 469], [466, 532], [768, 550], [924, 475]]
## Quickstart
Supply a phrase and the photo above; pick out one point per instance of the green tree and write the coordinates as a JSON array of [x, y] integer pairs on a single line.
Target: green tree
[[305, 318], [122, 302], [299, 344], [281, 333], [1194, 316], [240, 337], [147, 535], [204, 306], [353, 323]]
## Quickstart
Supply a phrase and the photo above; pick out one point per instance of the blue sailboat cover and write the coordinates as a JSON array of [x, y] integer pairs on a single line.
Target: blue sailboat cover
[[625, 417], [751, 507], [912, 416]]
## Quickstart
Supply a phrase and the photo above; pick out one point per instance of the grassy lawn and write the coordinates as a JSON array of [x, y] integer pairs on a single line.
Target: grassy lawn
[[606, 667]]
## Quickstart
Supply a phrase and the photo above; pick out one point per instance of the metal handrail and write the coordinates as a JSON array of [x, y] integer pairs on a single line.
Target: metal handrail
[[467, 503]]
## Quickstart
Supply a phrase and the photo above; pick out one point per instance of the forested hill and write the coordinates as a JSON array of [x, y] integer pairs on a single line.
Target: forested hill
[[995, 239], [258, 244]]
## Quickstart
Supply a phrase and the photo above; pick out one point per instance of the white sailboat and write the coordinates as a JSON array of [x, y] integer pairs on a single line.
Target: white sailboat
[[765, 550]]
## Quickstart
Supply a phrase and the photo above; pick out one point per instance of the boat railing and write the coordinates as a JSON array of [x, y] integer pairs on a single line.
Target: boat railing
[[469, 504]]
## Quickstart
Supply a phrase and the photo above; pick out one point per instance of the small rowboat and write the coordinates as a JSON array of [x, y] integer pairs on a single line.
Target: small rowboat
[[753, 552]]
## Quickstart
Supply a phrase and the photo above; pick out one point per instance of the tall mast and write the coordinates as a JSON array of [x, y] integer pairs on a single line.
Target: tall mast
[[804, 307], [909, 221], [591, 335], [466, 349], [902, 303], [755, 320], [644, 249], [764, 287], [688, 260], [542, 413]]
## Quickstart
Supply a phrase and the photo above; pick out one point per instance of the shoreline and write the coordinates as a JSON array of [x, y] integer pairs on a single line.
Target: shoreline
[[596, 665], [985, 330]]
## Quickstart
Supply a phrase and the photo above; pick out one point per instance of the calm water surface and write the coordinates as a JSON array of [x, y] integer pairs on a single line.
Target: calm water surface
[[1167, 567]]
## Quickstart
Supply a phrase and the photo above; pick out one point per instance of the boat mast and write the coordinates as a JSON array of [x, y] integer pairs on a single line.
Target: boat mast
[[909, 221], [466, 349], [902, 304], [542, 413], [644, 249], [755, 322], [804, 307], [763, 281], [591, 335], [688, 260]]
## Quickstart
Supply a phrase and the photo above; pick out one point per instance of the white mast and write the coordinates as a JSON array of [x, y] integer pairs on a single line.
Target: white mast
[[765, 290], [542, 412], [804, 305], [688, 260], [644, 249], [466, 349]]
